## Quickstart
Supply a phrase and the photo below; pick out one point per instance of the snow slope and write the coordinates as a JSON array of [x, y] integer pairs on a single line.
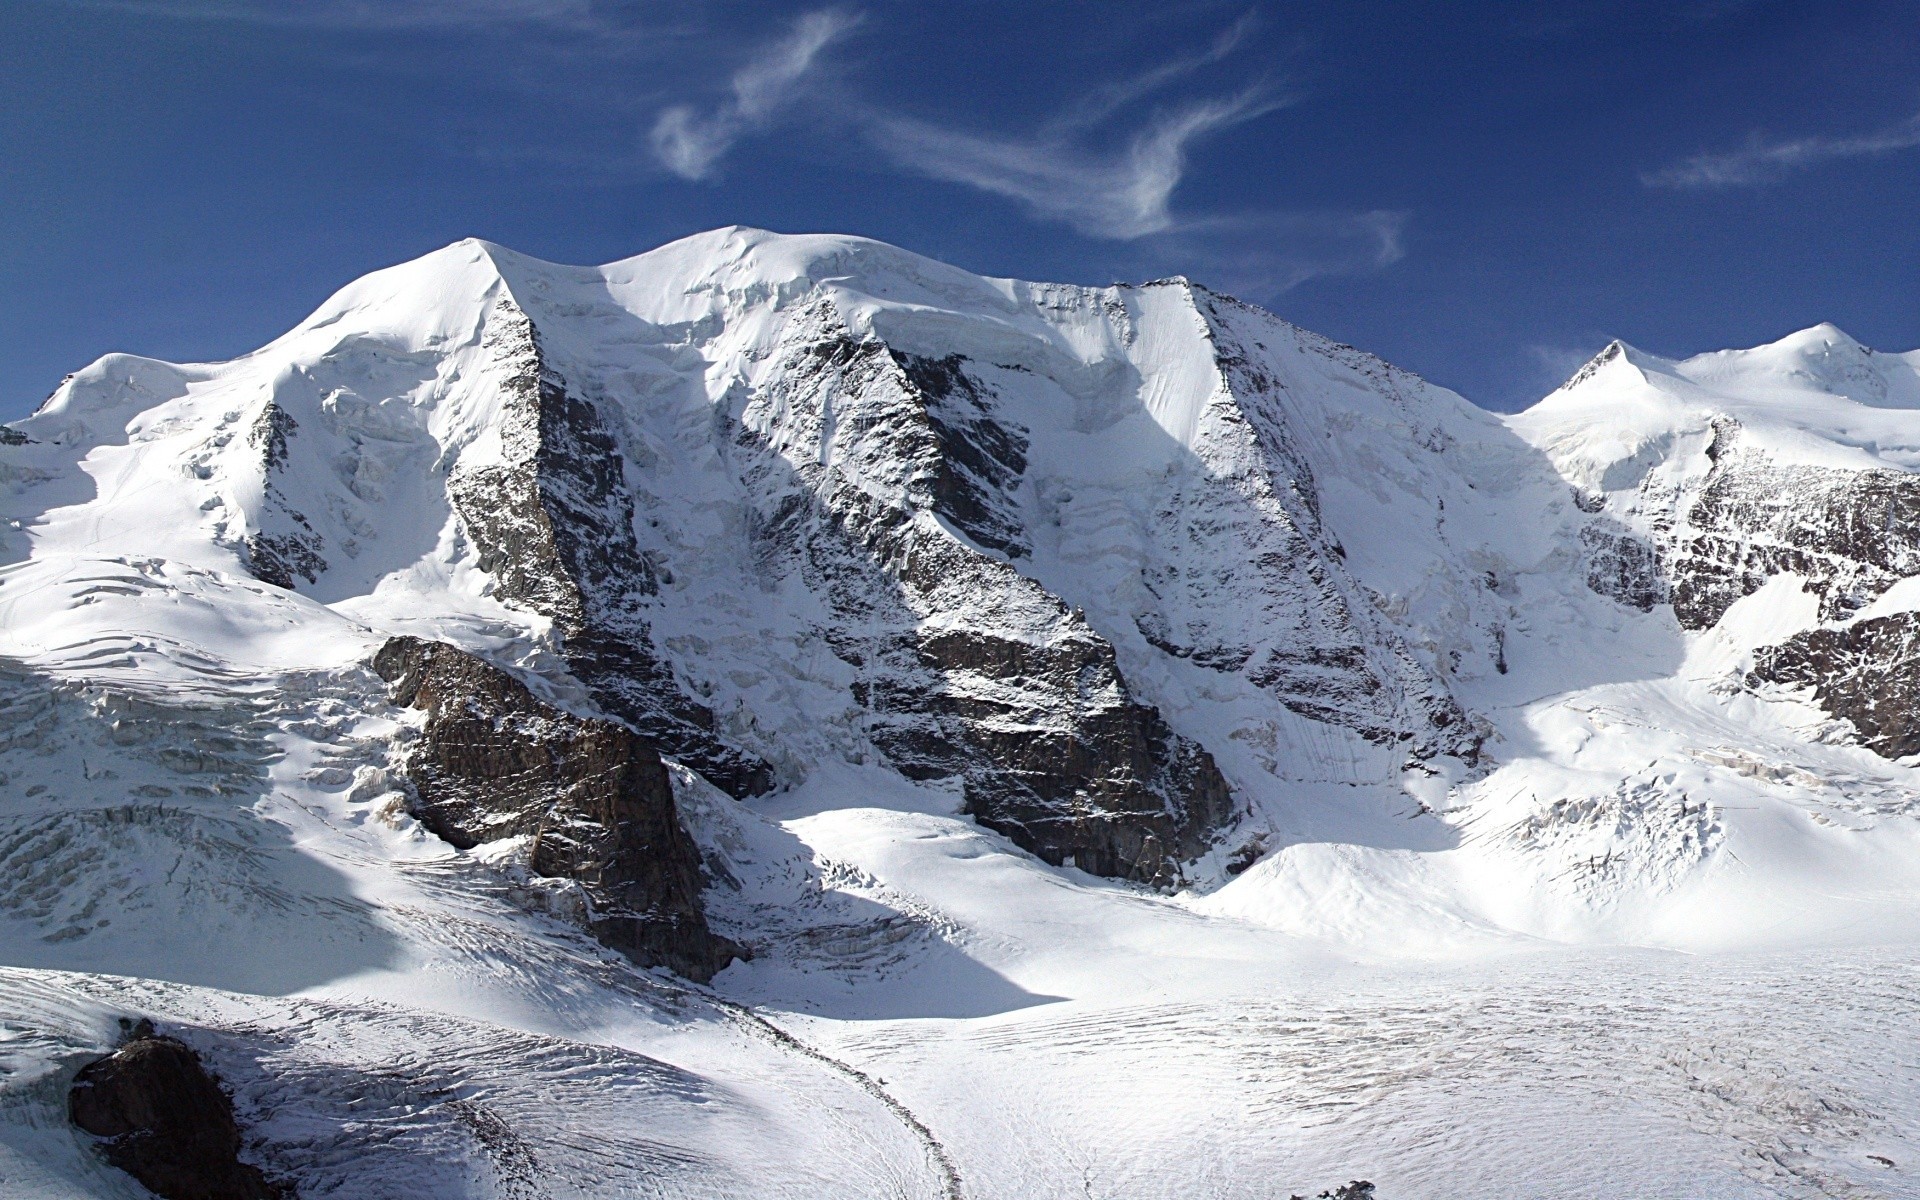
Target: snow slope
[[1148, 748]]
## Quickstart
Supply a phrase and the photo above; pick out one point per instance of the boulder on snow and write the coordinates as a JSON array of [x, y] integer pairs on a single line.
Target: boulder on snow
[[165, 1122], [1357, 1189]]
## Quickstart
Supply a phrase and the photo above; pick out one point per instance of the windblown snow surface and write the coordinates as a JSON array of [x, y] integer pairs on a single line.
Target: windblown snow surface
[[1638, 923]]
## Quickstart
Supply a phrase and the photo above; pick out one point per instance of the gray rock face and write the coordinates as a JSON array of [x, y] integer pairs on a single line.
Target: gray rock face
[[594, 798], [1849, 534], [976, 460], [1024, 705], [1322, 650], [1852, 533], [166, 1122], [1624, 567], [1867, 673], [554, 527], [287, 545]]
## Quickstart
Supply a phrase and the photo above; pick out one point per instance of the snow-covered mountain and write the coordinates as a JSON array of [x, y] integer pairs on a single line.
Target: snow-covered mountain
[[879, 646]]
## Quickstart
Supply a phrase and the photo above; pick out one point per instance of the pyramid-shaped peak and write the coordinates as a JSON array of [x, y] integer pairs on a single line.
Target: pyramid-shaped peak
[[1614, 356]]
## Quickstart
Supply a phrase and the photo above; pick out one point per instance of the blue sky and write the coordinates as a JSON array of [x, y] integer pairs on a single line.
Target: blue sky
[[1484, 193]]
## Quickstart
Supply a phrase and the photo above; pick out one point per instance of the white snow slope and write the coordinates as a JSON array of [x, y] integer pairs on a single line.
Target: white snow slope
[[1653, 937]]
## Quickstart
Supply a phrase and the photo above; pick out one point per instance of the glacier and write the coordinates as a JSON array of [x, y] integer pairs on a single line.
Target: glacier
[[893, 732]]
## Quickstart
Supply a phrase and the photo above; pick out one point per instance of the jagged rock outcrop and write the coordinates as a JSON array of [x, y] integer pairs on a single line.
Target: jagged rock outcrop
[[976, 460], [1709, 478], [286, 545], [1867, 672], [1623, 566], [1355, 1189], [164, 1120], [554, 526], [1715, 514], [592, 798], [1851, 534], [1319, 645], [867, 462]]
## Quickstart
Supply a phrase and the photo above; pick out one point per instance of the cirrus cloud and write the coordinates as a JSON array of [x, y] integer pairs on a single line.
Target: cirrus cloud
[[1122, 195], [1763, 161], [690, 142]]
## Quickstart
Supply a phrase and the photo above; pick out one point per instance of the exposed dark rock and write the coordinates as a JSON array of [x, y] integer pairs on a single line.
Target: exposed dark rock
[[278, 558], [165, 1122], [979, 459], [10, 436], [554, 526], [1358, 1189], [1623, 567], [1114, 792], [1867, 673], [293, 548], [1247, 854], [1324, 651], [269, 434], [494, 762], [1022, 703], [1851, 533], [1591, 367]]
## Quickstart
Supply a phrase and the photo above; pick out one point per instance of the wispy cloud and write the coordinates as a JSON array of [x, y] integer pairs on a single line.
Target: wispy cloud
[[1260, 255], [1090, 167], [690, 142], [1097, 105], [1107, 162], [1120, 195], [1554, 363], [1762, 161]]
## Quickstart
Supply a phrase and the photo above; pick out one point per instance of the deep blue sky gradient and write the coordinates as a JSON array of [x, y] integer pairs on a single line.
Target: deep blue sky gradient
[[188, 178]]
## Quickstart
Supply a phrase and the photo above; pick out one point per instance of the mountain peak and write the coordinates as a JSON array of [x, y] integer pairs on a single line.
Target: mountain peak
[[1806, 367], [1616, 361], [1825, 335], [762, 597]]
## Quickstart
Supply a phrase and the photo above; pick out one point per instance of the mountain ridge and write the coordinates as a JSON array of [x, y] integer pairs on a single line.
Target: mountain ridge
[[780, 715], [476, 333]]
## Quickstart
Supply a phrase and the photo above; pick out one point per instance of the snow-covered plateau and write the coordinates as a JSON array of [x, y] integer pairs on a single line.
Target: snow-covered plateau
[[782, 717]]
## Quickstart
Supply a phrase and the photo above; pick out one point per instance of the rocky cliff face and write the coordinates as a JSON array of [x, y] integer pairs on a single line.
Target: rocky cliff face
[[1710, 478], [284, 548], [1717, 539], [1849, 536], [554, 526], [1319, 644], [1866, 672], [1846, 535], [964, 668], [1850, 533], [592, 800]]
